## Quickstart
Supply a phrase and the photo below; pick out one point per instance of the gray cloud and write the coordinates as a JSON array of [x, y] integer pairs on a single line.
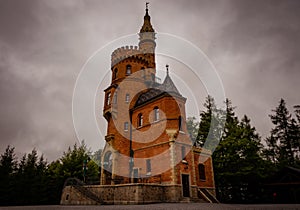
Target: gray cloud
[[44, 44]]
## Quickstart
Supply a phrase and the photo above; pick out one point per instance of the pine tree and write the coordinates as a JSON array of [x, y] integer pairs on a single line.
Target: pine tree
[[284, 140], [238, 165], [8, 166], [210, 126]]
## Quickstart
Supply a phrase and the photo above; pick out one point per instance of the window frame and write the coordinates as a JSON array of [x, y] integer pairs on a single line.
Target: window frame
[[128, 70], [140, 120], [108, 98], [148, 166], [156, 114], [115, 73], [127, 97], [201, 171], [126, 126]]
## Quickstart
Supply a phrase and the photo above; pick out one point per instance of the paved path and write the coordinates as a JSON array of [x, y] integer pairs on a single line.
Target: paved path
[[164, 206]]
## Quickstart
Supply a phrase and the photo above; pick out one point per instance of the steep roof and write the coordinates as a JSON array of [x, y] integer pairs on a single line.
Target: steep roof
[[167, 87]]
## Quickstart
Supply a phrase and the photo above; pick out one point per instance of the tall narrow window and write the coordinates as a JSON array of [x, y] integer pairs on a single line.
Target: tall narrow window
[[115, 98], [140, 120], [128, 70], [126, 126], [127, 98], [180, 123], [201, 169], [156, 113], [143, 72], [108, 98], [182, 152], [148, 165], [115, 73]]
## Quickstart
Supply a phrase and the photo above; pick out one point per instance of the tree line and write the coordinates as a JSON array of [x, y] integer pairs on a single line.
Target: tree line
[[242, 160], [33, 181]]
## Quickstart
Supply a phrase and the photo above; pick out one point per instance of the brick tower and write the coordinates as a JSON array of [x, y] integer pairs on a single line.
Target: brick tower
[[148, 156], [147, 140]]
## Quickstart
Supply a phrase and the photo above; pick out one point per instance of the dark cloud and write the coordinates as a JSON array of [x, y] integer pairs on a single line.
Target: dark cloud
[[44, 44]]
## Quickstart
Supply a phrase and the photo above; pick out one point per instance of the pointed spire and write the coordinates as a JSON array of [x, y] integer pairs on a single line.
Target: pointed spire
[[168, 85], [147, 27]]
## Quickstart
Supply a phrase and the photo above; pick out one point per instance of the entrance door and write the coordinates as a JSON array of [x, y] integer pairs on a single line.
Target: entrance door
[[135, 175], [185, 180]]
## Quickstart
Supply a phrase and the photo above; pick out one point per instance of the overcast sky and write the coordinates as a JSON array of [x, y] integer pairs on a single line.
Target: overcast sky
[[254, 44]]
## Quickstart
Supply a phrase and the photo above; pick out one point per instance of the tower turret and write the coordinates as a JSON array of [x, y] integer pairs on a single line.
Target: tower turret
[[147, 35]]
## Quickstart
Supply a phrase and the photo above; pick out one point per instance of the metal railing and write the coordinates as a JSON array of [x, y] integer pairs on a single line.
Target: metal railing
[[83, 189]]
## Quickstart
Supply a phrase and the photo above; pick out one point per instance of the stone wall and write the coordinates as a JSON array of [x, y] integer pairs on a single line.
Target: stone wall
[[127, 194]]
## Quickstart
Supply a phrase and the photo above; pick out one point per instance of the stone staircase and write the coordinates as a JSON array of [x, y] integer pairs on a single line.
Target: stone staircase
[[207, 196], [83, 189]]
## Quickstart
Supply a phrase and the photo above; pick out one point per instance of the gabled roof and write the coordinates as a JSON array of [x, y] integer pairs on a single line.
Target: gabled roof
[[167, 87]]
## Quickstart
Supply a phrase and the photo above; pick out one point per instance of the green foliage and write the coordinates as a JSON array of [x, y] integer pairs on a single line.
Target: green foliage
[[238, 165], [210, 127], [283, 143], [32, 181], [8, 166]]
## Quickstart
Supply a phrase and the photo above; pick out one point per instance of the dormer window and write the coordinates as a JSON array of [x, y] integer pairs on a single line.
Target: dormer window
[[128, 70], [140, 120]]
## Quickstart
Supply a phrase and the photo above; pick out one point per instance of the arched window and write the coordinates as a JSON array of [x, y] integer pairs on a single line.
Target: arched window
[[140, 120], [126, 126], [107, 164], [156, 113], [115, 73], [148, 166], [180, 123], [128, 70], [127, 98], [201, 169], [143, 72], [108, 98]]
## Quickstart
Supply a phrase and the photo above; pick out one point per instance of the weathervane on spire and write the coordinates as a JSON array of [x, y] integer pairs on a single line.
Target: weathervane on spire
[[147, 5], [167, 66]]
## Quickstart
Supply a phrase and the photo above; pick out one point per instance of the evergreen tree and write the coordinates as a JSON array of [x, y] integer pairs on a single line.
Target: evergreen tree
[[210, 126], [283, 143], [73, 163], [238, 165], [8, 166], [192, 127]]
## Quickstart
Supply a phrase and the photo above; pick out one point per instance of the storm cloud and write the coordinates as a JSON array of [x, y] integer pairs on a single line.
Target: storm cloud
[[255, 46]]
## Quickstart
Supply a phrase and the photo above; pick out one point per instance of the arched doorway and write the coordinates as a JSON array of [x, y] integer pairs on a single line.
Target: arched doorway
[[107, 166]]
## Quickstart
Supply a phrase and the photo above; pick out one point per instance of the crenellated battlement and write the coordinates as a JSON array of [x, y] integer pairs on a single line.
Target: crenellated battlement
[[124, 52]]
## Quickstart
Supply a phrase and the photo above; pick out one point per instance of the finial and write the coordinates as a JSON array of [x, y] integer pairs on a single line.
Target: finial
[[167, 66], [147, 5]]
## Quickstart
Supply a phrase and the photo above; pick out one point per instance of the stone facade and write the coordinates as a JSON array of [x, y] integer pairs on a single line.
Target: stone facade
[[129, 194]]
